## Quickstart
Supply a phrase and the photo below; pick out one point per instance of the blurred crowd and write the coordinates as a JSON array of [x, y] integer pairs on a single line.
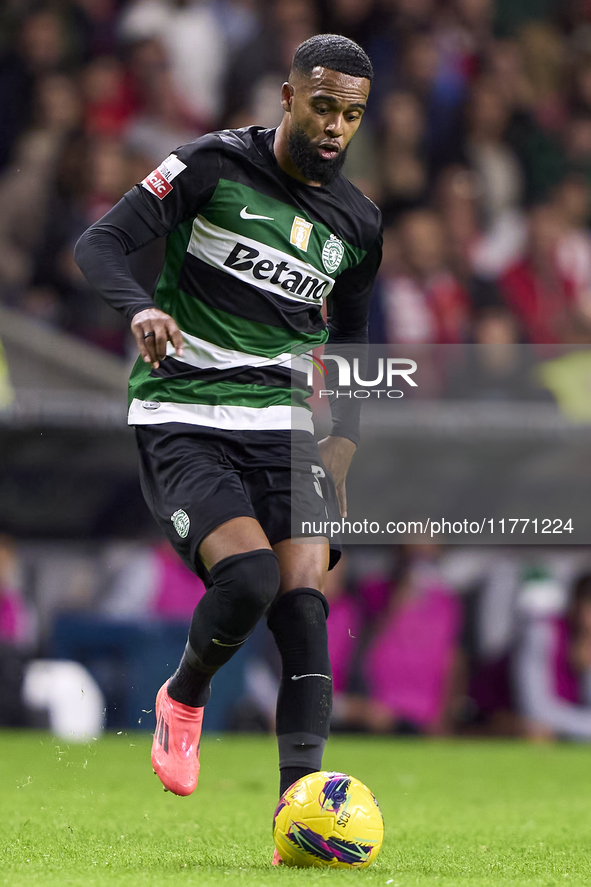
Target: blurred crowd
[[476, 146], [425, 640], [444, 641]]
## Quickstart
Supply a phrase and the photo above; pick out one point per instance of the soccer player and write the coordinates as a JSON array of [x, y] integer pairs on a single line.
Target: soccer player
[[261, 227]]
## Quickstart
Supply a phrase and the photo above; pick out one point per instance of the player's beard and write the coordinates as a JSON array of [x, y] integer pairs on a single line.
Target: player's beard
[[307, 159]]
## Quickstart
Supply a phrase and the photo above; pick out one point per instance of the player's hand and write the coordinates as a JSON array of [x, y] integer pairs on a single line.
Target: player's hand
[[336, 453], [152, 330]]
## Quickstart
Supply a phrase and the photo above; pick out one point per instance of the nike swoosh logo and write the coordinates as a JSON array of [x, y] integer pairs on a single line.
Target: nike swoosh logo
[[219, 643], [244, 214], [298, 677]]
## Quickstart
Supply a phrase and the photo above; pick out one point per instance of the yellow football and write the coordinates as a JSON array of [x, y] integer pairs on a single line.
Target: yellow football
[[328, 819]]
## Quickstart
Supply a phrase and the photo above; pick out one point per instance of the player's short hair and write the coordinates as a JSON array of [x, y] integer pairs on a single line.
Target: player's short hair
[[332, 51]]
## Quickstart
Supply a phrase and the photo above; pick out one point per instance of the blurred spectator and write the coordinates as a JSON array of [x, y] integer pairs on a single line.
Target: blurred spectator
[[345, 627], [544, 62], [478, 254], [149, 584], [496, 367], [239, 21], [510, 16], [91, 176], [41, 46], [146, 62], [357, 605], [355, 19], [534, 121], [488, 153], [553, 670], [392, 23], [471, 115], [26, 183], [464, 31], [16, 637], [504, 62], [251, 93], [580, 95], [403, 162], [194, 41], [571, 199], [6, 392], [413, 666], [94, 23], [16, 626], [489, 579], [420, 299], [162, 124], [441, 93], [537, 288], [109, 100], [393, 646], [577, 141], [347, 632], [496, 326]]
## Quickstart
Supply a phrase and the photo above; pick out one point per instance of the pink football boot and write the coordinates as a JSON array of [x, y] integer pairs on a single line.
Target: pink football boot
[[175, 749]]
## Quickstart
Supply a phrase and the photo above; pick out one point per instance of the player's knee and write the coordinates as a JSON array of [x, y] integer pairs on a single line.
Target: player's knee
[[248, 581]]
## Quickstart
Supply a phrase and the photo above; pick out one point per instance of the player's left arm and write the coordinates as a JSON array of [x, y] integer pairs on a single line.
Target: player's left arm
[[336, 453], [348, 336]]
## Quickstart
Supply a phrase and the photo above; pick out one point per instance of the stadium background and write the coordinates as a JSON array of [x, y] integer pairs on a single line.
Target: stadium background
[[477, 147]]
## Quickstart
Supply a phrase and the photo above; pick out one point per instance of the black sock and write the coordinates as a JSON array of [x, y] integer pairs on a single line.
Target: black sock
[[243, 587], [289, 775], [298, 622], [190, 685]]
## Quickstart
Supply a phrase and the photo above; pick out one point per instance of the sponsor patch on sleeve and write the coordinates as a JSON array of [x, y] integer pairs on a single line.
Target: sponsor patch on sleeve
[[158, 182]]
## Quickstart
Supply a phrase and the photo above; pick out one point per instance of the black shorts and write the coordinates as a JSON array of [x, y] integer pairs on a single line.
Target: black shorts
[[195, 478]]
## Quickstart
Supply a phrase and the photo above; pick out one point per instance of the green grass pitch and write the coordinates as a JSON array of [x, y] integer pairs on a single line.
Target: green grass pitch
[[456, 813]]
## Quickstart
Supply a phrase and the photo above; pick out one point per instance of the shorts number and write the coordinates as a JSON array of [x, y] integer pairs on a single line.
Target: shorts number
[[318, 472]]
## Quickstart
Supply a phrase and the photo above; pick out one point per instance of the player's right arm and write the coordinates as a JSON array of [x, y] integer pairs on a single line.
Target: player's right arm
[[170, 194], [102, 254]]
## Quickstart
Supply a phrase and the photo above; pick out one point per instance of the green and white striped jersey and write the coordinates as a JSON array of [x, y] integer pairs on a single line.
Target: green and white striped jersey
[[251, 256]]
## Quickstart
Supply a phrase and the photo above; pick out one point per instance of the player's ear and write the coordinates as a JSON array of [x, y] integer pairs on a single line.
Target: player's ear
[[287, 92]]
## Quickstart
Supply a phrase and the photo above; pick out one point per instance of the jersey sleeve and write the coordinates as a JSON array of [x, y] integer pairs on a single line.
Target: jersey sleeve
[[348, 335], [184, 181], [169, 195]]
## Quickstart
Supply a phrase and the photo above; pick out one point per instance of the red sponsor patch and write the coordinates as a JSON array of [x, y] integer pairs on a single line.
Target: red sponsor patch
[[157, 184]]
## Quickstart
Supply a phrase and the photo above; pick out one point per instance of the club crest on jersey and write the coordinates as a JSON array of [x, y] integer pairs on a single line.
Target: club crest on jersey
[[181, 523], [158, 182], [300, 233], [332, 253]]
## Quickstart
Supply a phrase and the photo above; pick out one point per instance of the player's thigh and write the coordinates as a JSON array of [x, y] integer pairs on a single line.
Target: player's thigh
[[192, 490], [237, 536], [293, 499], [304, 557]]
